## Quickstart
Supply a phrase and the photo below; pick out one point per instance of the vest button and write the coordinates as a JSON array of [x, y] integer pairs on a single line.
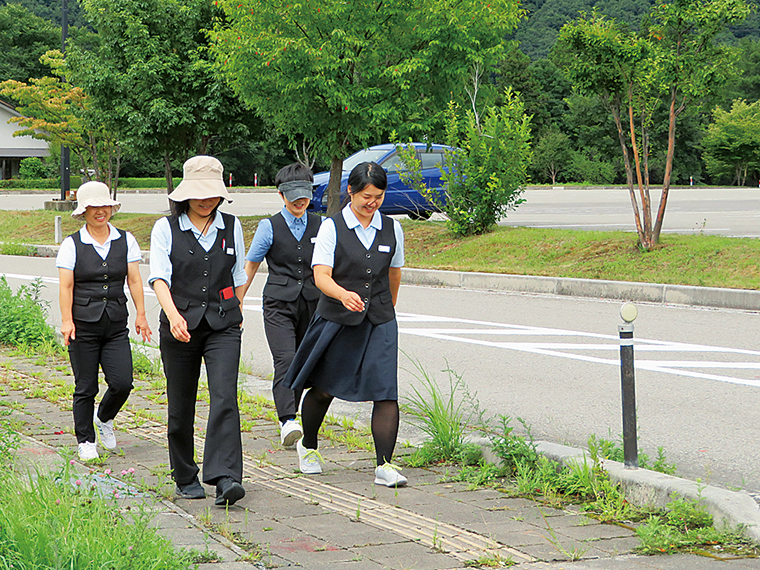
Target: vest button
[[105, 276], [299, 260], [299, 282], [205, 273], [298, 246], [365, 302], [104, 264], [205, 257], [203, 304], [203, 289], [369, 270], [299, 270], [368, 255], [105, 286], [105, 299], [366, 285]]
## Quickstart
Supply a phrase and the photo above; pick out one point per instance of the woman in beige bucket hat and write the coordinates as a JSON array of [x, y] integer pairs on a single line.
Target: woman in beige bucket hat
[[93, 264], [197, 257]]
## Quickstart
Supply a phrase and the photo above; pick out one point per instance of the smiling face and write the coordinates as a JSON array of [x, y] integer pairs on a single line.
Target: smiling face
[[297, 208], [97, 216], [366, 202], [203, 208]]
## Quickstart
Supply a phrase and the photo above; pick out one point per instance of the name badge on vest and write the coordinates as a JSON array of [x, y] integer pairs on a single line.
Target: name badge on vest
[[384, 248], [230, 251], [314, 239]]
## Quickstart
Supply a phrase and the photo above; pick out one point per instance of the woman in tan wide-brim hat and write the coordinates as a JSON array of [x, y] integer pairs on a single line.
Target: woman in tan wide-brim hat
[[93, 264], [197, 257]]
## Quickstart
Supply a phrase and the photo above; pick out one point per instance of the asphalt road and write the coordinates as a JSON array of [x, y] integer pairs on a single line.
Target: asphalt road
[[554, 361], [722, 211]]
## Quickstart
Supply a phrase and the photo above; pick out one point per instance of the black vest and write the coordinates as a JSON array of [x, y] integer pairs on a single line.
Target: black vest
[[289, 261], [202, 284], [364, 271], [98, 282]]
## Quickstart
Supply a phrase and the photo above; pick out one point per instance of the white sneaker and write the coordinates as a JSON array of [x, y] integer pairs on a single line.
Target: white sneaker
[[308, 459], [88, 451], [389, 476], [105, 432], [290, 433]]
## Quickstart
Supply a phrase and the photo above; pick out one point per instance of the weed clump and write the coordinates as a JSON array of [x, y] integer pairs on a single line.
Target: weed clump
[[23, 316]]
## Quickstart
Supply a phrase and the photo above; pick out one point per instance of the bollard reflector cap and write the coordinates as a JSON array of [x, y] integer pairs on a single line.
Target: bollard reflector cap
[[629, 312]]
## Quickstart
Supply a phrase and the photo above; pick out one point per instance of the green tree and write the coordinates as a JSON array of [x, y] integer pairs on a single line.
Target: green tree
[[59, 113], [24, 37], [343, 74], [552, 155], [150, 78], [675, 61], [732, 142]]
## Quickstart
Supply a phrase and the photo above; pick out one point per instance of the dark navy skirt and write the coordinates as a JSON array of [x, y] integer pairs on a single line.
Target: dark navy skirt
[[357, 363]]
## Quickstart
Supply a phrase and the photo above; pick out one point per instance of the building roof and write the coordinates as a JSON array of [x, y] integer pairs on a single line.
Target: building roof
[[17, 147]]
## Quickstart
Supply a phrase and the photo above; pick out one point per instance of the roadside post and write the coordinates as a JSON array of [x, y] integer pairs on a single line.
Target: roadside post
[[628, 312], [58, 230]]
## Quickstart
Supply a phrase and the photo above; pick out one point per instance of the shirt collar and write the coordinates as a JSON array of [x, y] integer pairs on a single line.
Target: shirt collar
[[352, 221], [291, 219], [85, 236], [185, 223]]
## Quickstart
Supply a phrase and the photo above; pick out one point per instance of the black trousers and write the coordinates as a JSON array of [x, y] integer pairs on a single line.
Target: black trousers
[[285, 324], [102, 344], [223, 452]]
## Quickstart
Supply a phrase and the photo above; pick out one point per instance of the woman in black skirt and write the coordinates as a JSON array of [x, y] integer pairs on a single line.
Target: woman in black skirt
[[350, 350]]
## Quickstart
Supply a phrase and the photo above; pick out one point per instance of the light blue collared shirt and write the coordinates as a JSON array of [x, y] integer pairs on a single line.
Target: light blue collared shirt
[[327, 238], [264, 236], [161, 245]]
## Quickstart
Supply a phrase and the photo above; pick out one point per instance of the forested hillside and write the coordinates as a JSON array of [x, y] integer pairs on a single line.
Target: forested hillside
[[538, 32]]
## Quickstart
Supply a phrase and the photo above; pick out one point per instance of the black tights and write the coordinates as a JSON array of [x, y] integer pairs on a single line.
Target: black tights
[[385, 417]]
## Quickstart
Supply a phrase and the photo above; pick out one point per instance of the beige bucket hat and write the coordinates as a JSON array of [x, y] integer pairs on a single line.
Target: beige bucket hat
[[94, 194], [203, 177]]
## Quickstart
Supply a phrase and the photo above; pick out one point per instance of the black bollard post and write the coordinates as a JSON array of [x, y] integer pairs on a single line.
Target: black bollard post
[[628, 387]]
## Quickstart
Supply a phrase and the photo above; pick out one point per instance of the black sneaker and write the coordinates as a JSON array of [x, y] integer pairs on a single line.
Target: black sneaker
[[228, 491], [192, 490]]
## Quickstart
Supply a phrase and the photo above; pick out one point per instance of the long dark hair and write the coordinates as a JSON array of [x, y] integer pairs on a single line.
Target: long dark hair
[[363, 175], [176, 209]]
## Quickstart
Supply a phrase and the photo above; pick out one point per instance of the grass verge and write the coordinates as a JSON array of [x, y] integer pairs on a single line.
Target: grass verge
[[700, 260]]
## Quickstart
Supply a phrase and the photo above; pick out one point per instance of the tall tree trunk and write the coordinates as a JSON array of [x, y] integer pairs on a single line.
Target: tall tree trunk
[[668, 166], [333, 187], [168, 173], [615, 110], [646, 207]]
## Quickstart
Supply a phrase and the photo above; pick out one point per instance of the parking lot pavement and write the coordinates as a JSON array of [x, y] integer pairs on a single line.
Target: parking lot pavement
[[337, 520]]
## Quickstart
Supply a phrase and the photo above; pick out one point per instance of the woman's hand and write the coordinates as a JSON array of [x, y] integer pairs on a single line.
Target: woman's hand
[[68, 330], [352, 301], [142, 328], [178, 327]]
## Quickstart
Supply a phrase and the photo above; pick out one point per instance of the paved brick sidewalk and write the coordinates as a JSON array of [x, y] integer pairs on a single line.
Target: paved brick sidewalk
[[337, 520]]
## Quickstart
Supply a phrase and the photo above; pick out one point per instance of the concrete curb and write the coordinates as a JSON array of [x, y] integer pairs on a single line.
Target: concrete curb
[[594, 288], [642, 487], [716, 297]]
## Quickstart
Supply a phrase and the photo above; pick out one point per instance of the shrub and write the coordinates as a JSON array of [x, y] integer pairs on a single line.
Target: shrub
[[23, 316], [32, 167]]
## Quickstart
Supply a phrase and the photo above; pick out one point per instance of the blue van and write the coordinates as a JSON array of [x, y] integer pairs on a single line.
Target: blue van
[[399, 198]]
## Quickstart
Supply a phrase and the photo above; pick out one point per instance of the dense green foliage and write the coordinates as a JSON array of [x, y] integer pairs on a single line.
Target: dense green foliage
[[340, 75], [23, 316], [24, 37]]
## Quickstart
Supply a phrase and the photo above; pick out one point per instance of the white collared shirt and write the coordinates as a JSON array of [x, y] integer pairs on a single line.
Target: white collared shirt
[[67, 253], [327, 238], [161, 246]]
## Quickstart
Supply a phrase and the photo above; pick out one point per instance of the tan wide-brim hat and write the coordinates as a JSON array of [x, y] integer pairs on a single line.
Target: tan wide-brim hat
[[94, 194], [203, 177]]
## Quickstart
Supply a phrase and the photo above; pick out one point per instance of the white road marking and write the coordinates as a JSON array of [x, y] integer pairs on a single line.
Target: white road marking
[[409, 323]]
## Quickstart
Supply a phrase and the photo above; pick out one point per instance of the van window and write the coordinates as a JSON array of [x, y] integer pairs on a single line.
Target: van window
[[431, 159]]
